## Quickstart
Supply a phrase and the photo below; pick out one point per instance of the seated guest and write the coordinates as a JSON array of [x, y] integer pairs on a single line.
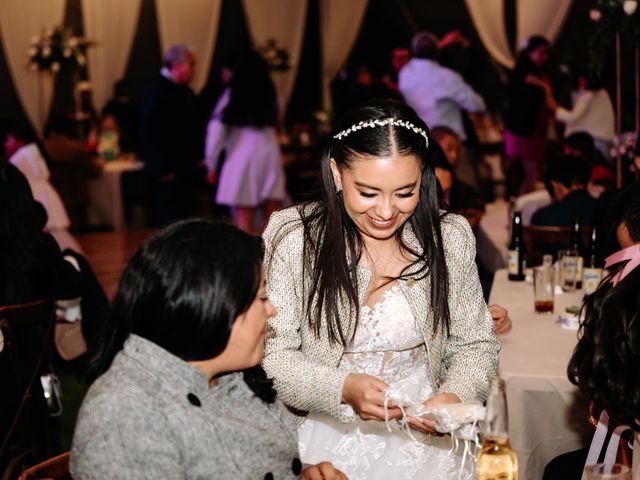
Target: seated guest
[[71, 168], [181, 393], [566, 180], [23, 152], [606, 360]]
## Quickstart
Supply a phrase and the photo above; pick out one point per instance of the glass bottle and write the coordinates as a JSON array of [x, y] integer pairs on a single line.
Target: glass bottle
[[496, 460], [576, 244], [592, 272], [516, 257]]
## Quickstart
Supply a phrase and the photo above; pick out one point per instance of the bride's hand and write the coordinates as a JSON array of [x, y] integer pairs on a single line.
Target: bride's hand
[[366, 395], [424, 424]]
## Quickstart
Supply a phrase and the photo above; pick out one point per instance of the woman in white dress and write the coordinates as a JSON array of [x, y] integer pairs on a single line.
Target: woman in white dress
[[375, 287], [243, 126], [25, 155]]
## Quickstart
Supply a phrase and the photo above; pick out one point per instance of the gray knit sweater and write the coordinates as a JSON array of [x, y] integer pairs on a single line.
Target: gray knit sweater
[[151, 415]]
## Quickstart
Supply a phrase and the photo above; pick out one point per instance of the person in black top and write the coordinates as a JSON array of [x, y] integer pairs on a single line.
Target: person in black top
[[566, 179], [171, 139]]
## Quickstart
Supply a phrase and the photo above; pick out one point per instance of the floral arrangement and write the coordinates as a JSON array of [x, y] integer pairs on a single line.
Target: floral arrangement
[[624, 145], [277, 58], [57, 49]]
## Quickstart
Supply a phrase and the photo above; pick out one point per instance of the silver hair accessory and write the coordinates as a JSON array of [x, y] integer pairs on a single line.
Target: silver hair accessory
[[381, 123]]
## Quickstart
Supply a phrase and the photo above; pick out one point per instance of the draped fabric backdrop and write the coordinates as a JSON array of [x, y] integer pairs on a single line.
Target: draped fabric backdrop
[[112, 24], [194, 23], [488, 18], [542, 17], [340, 22], [19, 21], [283, 21]]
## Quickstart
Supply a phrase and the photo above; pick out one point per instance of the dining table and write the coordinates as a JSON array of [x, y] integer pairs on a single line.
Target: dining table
[[546, 414], [106, 206]]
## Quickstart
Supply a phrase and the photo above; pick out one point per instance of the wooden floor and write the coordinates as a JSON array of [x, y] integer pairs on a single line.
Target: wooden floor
[[109, 252]]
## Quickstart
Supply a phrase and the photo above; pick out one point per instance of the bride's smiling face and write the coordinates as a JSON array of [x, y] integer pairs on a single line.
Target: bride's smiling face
[[380, 193]]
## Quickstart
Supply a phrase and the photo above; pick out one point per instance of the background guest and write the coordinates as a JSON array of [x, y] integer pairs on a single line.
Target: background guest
[[170, 138], [527, 115], [437, 93], [24, 153], [566, 179], [252, 181], [71, 168], [125, 113]]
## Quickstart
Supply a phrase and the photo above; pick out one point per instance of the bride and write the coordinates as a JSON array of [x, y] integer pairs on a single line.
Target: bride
[[375, 287]]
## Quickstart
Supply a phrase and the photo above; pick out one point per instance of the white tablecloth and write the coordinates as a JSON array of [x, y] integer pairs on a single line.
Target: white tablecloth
[[493, 236], [547, 417], [105, 192]]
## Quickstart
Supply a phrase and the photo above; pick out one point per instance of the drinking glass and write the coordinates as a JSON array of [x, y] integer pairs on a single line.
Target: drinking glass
[[543, 289], [603, 471], [568, 260]]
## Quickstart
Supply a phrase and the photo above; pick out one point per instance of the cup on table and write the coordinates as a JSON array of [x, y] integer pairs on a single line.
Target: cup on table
[[568, 261], [543, 289], [603, 471]]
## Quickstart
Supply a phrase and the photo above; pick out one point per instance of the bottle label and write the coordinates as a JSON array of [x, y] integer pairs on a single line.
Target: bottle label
[[579, 268], [513, 260], [591, 278]]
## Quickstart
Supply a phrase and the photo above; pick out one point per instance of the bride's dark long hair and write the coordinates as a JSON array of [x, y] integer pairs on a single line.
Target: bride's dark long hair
[[333, 245]]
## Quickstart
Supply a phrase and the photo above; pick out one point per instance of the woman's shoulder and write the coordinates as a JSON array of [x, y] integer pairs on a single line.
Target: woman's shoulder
[[287, 225], [455, 228]]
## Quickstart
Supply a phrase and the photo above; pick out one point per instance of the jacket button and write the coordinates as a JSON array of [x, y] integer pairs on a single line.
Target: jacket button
[[193, 400], [268, 476], [296, 466]]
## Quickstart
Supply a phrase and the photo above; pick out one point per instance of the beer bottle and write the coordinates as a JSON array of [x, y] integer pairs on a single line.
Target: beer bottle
[[576, 244], [517, 257], [592, 273], [496, 459]]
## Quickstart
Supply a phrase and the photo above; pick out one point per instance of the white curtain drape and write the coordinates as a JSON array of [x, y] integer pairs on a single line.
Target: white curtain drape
[[19, 21], [488, 18], [194, 23], [340, 22], [112, 24], [283, 21], [542, 17]]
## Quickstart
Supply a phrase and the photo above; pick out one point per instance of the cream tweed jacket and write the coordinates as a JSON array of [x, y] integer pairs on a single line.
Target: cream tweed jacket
[[305, 368]]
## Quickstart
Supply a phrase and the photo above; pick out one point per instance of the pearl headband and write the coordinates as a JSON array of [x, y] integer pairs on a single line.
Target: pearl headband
[[380, 123]]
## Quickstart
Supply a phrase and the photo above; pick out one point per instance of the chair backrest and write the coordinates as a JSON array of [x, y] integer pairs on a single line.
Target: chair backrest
[[56, 468], [539, 241], [28, 338]]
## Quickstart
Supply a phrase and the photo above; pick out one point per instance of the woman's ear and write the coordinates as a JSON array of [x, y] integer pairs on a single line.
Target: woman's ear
[[337, 175]]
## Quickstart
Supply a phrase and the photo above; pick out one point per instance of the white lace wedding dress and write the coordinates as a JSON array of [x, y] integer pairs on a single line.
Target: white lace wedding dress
[[388, 346]]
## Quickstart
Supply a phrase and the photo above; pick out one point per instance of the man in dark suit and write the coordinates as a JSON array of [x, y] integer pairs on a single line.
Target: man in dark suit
[[566, 179], [171, 141]]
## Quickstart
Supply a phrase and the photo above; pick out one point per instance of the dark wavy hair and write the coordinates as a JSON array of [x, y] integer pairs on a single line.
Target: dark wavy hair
[[27, 256], [253, 100], [606, 360], [333, 244], [182, 290]]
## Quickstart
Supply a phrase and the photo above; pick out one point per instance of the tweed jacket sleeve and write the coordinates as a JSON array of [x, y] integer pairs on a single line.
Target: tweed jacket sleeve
[[469, 356], [303, 368]]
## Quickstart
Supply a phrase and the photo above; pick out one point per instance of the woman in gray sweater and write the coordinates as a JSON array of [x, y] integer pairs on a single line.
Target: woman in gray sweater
[[180, 392]]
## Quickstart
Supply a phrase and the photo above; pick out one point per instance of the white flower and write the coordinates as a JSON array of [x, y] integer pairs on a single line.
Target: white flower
[[33, 66], [81, 59], [55, 67], [35, 39], [66, 52], [33, 51], [46, 51], [73, 41], [630, 6]]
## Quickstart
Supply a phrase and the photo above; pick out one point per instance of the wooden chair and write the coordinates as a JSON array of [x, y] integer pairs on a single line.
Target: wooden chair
[[27, 331], [56, 468], [539, 241]]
